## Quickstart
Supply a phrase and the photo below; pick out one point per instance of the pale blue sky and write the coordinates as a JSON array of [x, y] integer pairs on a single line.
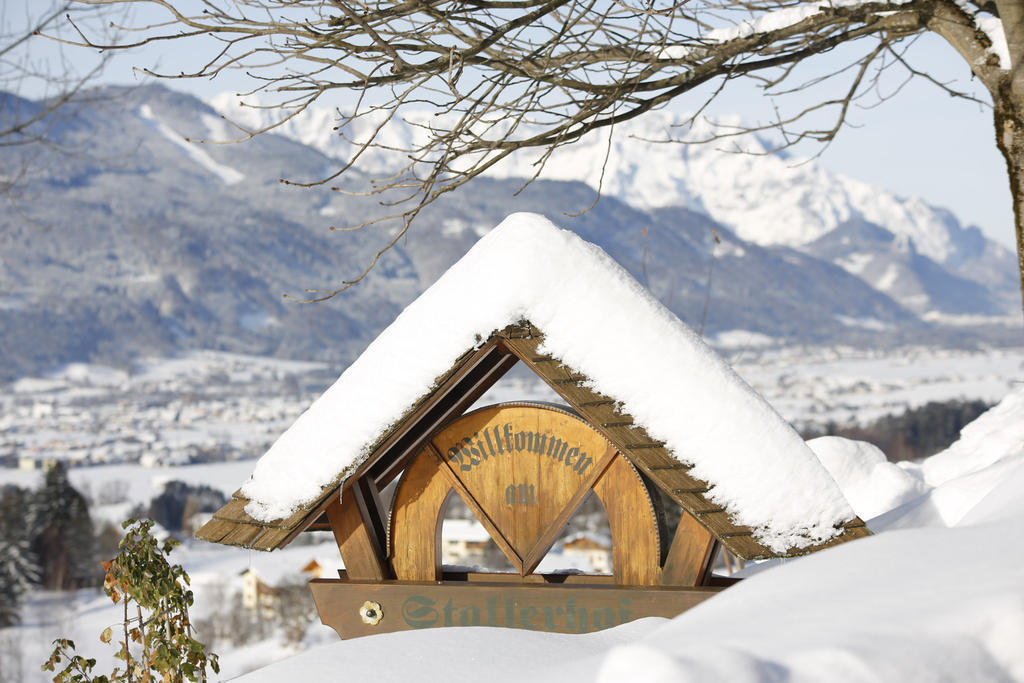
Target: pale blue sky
[[921, 142]]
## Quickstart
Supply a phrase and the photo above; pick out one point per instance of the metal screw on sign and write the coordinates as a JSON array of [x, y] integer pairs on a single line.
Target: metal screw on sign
[[371, 613]]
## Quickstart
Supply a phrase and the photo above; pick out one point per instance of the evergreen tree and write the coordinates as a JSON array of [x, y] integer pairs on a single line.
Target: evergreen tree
[[62, 533], [18, 565], [917, 433]]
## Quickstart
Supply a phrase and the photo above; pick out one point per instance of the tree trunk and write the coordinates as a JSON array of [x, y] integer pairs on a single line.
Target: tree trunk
[[1009, 122]]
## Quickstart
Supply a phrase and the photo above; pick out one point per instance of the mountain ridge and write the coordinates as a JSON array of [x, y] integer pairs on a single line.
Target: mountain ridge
[[153, 247], [764, 196]]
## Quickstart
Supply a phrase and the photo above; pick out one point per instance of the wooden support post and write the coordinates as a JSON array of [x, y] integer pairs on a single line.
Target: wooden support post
[[357, 541], [372, 511], [709, 579], [690, 554]]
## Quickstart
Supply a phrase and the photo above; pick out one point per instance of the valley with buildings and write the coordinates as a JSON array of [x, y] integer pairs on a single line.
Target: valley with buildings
[[210, 407]]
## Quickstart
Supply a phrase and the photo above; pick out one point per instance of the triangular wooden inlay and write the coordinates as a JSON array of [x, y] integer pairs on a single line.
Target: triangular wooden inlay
[[523, 471]]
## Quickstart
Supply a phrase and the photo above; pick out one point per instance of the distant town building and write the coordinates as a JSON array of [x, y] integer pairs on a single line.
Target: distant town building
[[258, 596], [592, 550], [464, 542]]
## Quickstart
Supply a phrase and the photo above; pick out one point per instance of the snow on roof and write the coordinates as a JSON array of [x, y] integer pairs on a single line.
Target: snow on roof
[[602, 323], [597, 538]]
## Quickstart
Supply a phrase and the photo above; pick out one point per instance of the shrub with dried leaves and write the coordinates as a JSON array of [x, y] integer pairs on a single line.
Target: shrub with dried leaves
[[156, 636]]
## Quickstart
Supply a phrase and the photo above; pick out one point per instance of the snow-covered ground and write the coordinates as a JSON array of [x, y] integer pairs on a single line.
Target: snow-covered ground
[[203, 406], [936, 595], [216, 580], [814, 385]]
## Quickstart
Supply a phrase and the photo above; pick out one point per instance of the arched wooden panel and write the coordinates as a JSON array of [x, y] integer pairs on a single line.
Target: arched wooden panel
[[523, 470], [636, 549], [526, 467], [415, 534]]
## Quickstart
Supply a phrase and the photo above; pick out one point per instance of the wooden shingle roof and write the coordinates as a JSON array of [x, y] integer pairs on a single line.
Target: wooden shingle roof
[[452, 393]]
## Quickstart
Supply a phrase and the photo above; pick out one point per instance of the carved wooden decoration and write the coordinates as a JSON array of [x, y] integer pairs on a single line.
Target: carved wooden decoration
[[523, 469]]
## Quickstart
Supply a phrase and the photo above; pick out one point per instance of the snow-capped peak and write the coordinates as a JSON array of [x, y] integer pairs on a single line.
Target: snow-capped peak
[[194, 152], [741, 181]]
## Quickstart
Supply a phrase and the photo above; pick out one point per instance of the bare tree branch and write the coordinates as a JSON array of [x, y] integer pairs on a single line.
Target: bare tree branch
[[510, 75], [33, 91]]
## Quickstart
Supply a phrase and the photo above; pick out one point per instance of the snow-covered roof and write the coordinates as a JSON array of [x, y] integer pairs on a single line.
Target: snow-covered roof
[[600, 539], [600, 322]]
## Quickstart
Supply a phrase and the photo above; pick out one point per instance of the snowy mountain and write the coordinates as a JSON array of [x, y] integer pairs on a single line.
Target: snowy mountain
[[763, 196], [140, 242]]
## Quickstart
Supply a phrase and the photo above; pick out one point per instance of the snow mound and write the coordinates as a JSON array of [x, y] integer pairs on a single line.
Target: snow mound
[[652, 363], [870, 482], [989, 452], [910, 606], [443, 654], [996, 435]]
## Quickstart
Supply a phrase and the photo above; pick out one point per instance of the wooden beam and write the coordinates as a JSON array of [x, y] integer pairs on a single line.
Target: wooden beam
[[689, 555], [646, 454], [507, 577], [372, 511], [357, 544], [708, 579], [455, 576], [472, 375], [452, 398], [356, 609]]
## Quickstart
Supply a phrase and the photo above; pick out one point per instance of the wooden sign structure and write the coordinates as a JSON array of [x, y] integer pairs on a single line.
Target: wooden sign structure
[[523, 469]]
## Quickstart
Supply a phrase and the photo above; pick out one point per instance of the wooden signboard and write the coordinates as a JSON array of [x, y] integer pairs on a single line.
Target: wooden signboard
[[359, 609], [523, 469]]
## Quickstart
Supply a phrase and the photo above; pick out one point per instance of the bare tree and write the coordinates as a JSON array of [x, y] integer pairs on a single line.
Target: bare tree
[[504, 75], [38, 81], [18, 70]]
